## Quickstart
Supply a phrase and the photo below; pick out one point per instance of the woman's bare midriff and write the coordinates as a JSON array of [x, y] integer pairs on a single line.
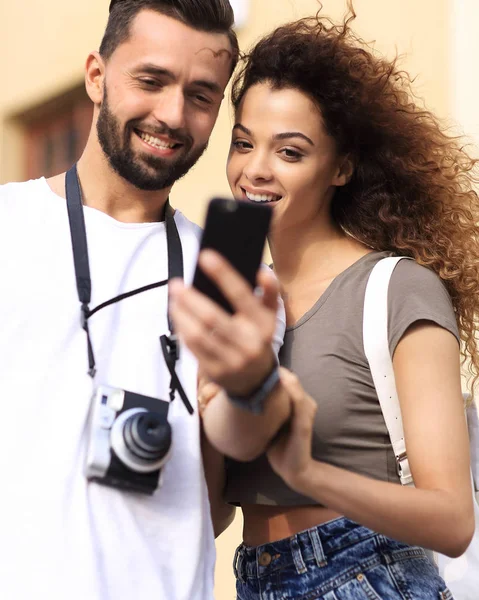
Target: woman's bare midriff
[[264, 524]]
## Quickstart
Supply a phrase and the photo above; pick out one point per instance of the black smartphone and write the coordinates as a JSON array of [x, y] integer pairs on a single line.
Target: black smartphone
[[237, 231]]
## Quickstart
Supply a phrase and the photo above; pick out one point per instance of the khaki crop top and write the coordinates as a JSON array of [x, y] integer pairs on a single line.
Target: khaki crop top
[[325, 349]]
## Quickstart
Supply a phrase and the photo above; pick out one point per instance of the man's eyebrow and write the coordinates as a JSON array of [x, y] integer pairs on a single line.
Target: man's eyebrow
[[209, 85], [152, 69], [279, 136]]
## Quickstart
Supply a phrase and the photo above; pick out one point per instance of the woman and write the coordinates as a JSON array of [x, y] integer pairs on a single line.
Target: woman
[[328, 135]]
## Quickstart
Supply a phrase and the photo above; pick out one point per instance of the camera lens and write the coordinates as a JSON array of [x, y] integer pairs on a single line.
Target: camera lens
[[147, 435], [141, 439]]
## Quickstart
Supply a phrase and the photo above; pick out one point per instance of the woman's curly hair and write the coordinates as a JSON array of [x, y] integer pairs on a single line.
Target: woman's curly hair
[[412, 191]]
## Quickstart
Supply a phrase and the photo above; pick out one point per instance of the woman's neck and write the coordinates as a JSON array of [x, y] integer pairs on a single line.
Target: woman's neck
[[306, 260]]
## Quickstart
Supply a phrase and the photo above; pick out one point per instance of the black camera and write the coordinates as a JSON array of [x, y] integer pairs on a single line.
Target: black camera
[[129, 440]]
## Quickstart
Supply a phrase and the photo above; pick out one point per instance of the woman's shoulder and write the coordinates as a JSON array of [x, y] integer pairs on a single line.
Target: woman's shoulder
[[418, 282], [417, 293]]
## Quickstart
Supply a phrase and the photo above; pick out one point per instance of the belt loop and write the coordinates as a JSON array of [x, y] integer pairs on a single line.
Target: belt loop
[[235, 570], [238, 561], [297, 556], [319, 554]]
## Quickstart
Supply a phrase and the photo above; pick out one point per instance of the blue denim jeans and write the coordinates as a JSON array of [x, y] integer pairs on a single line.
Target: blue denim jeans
[[338, 560]]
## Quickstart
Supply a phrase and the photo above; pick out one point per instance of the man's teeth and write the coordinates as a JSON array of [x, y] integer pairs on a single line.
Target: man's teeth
[[261, 197], [155, 142]]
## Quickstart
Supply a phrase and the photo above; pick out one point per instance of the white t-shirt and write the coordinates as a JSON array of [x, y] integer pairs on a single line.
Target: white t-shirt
[[62, 538]]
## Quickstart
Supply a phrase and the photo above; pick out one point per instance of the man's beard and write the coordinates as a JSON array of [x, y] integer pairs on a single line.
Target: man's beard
[[143, 170]]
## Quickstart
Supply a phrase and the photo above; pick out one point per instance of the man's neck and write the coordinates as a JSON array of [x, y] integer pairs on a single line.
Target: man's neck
[[103, 189]]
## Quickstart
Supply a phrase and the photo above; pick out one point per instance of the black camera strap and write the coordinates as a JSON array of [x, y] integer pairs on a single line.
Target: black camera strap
[[169, 343]]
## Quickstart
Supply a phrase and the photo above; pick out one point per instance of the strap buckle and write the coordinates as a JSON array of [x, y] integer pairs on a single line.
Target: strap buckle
[[403, 469], [84, 314], [173, 346]]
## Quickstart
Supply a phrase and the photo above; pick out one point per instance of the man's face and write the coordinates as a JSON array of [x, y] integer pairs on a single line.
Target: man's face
[[162, 92]]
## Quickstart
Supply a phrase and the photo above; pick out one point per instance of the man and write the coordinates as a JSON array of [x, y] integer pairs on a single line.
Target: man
[[157, 84]]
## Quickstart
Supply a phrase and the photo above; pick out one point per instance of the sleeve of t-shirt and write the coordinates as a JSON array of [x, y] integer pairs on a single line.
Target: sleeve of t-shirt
[[416, 293], [278, 337]]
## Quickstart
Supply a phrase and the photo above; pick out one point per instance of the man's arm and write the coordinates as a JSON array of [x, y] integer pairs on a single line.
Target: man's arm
[[235, 352]]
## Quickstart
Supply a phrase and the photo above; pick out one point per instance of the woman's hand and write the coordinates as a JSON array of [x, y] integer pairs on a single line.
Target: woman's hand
[[207, 390], [290, 454], [438, 513]]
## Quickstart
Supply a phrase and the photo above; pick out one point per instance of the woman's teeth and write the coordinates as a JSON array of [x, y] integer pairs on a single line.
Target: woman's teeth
[[262, 197], [155, 142]]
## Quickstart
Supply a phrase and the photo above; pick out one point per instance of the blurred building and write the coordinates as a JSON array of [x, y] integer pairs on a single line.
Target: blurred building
[[45, 113]]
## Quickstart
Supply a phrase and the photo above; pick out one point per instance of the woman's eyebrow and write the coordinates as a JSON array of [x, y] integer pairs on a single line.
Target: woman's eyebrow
[[242, 128], [292, 134], [279, 136]]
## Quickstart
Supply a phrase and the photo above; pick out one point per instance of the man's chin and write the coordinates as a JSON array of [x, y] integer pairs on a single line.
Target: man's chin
[[150, 184], [142, 179], [152, 173]]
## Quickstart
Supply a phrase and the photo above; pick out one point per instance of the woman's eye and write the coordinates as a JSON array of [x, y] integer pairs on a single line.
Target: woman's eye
[[241, 145], [291, 154]]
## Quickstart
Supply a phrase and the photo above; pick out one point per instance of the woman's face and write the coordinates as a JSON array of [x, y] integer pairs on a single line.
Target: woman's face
[[281, 155]]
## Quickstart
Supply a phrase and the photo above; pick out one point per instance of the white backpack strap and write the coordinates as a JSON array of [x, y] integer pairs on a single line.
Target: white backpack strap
[[473, 428], [376, 348]]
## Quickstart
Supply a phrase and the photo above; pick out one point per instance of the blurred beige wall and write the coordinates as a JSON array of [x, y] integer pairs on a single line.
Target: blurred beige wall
[[44, 43], [464, 81]]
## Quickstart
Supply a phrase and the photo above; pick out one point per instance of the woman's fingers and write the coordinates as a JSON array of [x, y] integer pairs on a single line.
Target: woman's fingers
[[207, 390], [290, 454], [304, 407]]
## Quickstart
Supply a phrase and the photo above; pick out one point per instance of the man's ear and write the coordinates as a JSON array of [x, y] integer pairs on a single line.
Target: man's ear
[[94, 77], [345, 170]]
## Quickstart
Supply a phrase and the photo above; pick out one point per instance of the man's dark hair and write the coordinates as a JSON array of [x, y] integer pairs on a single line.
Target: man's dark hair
[[212, 16]]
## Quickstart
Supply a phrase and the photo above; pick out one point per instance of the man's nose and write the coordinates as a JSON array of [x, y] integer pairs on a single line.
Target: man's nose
[[170, 108]]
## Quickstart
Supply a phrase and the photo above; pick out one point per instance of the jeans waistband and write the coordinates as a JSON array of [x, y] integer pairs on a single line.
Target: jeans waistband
[[315, 544]]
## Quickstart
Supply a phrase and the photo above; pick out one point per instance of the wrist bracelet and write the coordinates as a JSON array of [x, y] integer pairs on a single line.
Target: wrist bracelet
[[254, 402]]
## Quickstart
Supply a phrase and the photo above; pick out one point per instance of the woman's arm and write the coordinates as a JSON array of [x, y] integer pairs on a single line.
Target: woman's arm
[[222, 514], [437, 513], [240, 434], [235, 352]]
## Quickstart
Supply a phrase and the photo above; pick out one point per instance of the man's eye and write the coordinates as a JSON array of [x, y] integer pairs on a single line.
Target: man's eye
[[150, 82], [202, 99]]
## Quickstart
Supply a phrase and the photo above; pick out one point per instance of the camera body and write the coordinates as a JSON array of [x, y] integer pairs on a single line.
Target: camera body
[[129, 440]]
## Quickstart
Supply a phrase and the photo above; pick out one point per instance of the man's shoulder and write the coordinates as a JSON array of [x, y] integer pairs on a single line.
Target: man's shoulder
[[187, 227], [19, 187], [16, 192]]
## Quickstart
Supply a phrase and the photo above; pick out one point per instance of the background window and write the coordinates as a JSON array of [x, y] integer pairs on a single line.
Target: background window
[[56, 133]]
